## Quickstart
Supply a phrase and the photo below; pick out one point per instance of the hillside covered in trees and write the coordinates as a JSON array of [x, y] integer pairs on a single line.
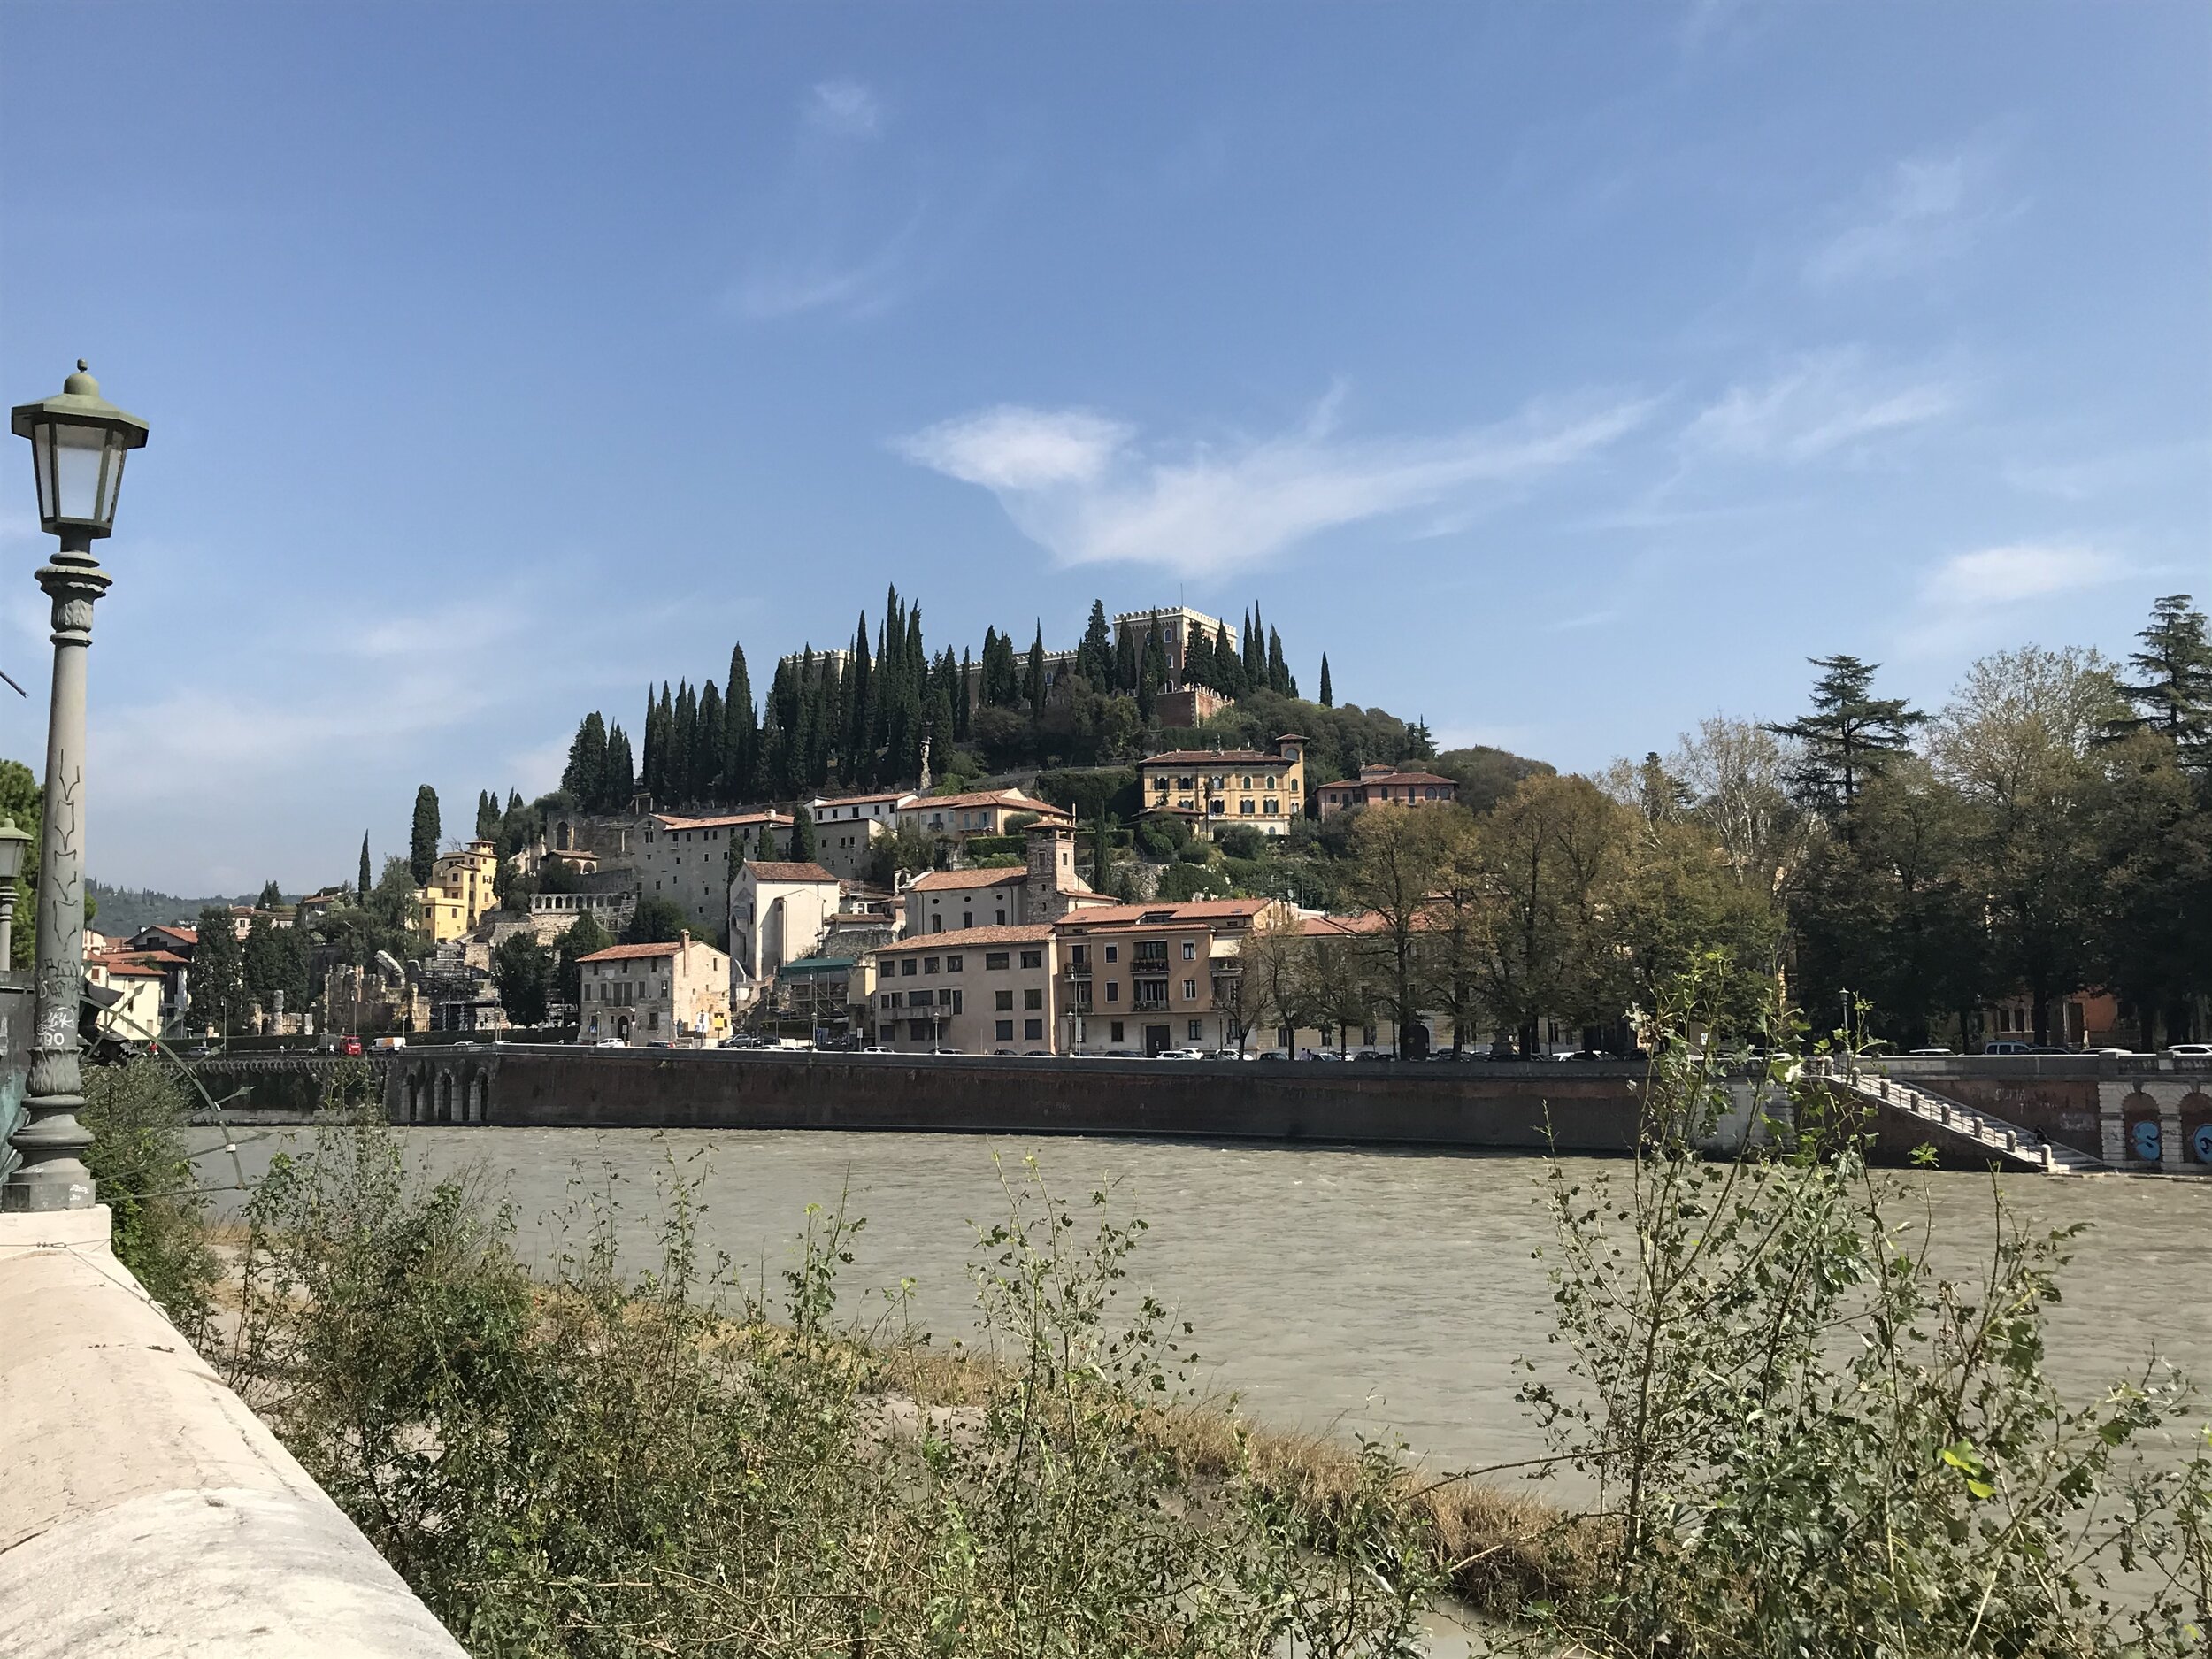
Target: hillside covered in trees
[[862, 717]]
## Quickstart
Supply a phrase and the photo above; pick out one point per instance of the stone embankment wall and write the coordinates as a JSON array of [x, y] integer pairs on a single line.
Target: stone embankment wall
[[2102, 1106], [1590, 1107], [145, 1510]]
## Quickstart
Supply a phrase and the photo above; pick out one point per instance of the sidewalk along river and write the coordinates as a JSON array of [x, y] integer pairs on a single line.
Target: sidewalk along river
[[1334, 1289]]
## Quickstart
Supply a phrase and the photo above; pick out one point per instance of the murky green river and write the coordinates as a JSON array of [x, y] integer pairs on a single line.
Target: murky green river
[[1336, 1289]]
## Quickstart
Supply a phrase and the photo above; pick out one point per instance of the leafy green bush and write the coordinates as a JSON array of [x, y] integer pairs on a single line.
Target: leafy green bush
[[137, 1114], [1180, 882], [1242, 840], [593, 1465], [1804, 1442]]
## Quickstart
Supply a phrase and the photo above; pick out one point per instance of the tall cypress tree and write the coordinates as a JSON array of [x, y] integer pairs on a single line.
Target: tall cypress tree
[[620, 780], [586, 761], [860, 712], [741, 728], [1277, 671], [1255, 650], [1229, 664], [963, 714], [1125, 664], [1328, 694], [1095, 658], [362, 893], [800, 850], [1036, 676], [706, 746], [422, 841]]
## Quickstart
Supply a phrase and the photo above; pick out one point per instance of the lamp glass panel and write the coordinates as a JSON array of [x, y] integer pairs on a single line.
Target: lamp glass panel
[[76, 461], [112, 477], [43, 468], [11, 857]]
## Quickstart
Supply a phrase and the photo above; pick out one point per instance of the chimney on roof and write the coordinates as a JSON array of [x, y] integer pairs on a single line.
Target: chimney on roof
[[685, 934]]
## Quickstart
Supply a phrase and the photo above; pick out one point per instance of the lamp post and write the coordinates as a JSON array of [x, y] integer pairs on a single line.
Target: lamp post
[[79, 442], [12, 841]]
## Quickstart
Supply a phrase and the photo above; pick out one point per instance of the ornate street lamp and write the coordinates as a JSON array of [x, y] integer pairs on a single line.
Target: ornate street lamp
[[77, 444]]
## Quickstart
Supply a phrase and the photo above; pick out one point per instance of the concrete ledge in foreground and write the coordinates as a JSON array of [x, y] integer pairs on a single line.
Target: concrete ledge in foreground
[[144, 1512]]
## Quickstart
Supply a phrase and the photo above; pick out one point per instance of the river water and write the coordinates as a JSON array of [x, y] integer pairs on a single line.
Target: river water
[[1331, 1288]]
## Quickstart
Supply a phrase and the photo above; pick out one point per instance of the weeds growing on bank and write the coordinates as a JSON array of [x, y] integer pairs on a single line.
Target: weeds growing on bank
[[1803, 1440]]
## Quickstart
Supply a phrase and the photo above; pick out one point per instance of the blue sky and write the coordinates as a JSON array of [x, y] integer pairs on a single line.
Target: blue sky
[[1567, 373]]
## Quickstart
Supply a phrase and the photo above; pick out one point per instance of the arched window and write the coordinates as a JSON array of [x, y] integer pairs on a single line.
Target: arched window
[[445, 1097]]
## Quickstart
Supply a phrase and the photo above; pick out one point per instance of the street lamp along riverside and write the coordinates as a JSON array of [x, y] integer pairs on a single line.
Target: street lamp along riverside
[[77, 444]]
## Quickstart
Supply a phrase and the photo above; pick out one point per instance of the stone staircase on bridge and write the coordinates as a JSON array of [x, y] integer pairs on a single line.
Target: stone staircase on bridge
[[2022, 1149]]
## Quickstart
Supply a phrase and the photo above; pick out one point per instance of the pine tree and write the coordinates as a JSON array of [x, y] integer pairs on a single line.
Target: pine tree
[[2174, 695], [422, 841], [587, 762], [802, 849], [1848, 737], [362, 891], [1328, 694]]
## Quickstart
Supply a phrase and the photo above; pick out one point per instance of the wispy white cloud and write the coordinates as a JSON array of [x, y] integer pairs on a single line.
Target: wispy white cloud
[[844, 109], [1821, 403], [2019, 573], [819, 278], [1081, 486], [1926, 209], [1972, 594]]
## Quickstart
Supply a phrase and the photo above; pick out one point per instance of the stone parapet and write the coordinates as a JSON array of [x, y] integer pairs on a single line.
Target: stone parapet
[[146, 1512]]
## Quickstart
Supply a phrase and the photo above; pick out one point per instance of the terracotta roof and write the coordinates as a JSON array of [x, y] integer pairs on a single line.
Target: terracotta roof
[[1340, 926], [955, 880], [1172, 915], [1201, 757], [1389, 777], [158, 958], [971, 938], [190, 936], [632, 953], [770, 870], [1012, 800], [770, 815], [127, 970]]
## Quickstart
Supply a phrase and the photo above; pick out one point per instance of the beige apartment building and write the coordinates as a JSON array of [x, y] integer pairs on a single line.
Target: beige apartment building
[[779, 913], [687, 862], [980, 990], [1211, 789], [677, 995], [846, 828], [1380, 785], [1042, 890], [981, 812], [1140, 979]]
